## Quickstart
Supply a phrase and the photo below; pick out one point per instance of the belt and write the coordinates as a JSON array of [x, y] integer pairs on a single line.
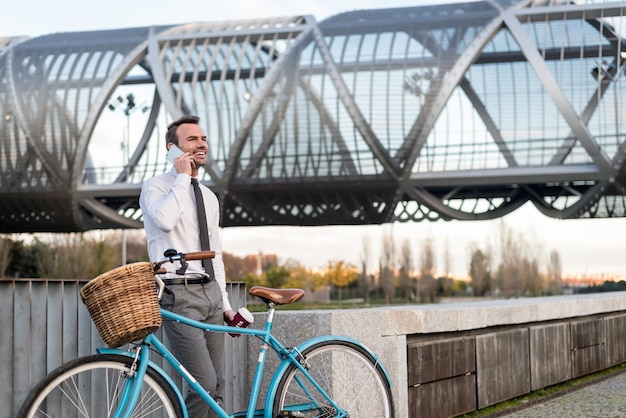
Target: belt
[[203, 280]]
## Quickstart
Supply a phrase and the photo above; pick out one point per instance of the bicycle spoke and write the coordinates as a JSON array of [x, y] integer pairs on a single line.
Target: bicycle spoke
[[91, 387], [342, 370]]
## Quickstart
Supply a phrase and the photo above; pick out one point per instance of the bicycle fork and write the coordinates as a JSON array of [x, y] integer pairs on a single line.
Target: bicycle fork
[[304, 366], [133, 381]]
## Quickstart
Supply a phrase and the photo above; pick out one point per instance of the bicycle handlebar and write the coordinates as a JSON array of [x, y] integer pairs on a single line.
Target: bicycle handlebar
[[198, 255], [172, 255]]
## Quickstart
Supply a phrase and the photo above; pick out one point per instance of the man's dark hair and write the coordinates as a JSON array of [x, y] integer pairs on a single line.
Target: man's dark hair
[[170, 135]]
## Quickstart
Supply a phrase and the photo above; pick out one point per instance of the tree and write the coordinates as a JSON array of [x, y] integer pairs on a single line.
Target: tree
[[444, 286], [276, 276], [298, 278], [447, 259], [554, 278], [446, 283], [509, 264], [365, 279], [136, 245], [428, 284], [532, 279], [5, 251], [459, 287], [479, 273], [406, 267], [340, 274], [22, 261], [238, 268], [252, 279], [386, 269], [518, 268], [77, 255]]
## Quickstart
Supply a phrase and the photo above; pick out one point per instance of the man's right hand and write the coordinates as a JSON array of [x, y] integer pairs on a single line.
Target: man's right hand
[[185, 164]]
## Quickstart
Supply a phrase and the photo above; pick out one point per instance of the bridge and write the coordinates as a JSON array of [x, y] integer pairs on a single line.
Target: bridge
[[458, 111]]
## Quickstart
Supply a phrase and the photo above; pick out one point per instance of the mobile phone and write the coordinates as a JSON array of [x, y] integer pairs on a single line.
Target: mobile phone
[[173, 153]]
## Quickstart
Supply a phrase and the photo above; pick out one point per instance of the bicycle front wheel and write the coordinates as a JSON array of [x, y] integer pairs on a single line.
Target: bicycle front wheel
[[91, 387], [346, 372]]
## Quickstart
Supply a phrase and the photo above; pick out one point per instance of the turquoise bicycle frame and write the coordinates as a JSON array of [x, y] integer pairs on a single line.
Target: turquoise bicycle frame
[[132, 388]]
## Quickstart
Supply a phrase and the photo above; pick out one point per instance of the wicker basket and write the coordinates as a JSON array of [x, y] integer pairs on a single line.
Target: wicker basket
[[123, 303]]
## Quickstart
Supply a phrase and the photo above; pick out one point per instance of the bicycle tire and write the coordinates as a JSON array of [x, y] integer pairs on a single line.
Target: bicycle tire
[[90, 387], [347, 372]]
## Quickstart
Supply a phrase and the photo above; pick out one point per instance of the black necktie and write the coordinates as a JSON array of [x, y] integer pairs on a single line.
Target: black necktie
[[204, 232]]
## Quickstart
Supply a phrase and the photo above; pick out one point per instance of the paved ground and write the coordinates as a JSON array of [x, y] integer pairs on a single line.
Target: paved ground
[[604, 399]]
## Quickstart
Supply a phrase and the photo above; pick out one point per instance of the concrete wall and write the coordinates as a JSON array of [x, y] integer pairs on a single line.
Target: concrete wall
[[480, 352]]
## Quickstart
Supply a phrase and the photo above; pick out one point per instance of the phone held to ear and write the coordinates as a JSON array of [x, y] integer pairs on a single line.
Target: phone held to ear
[[173, 152]]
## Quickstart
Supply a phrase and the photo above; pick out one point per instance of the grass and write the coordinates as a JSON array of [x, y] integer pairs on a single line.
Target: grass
[[546, 393]]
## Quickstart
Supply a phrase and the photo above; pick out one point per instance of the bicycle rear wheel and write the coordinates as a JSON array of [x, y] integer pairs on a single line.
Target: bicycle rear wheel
[[346, 372], [91, 387]]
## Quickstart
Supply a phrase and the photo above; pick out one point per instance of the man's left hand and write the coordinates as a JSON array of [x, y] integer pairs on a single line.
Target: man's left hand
[[229, 315]]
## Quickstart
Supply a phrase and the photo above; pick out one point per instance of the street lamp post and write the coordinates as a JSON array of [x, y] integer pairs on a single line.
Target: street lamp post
[[128, 110]]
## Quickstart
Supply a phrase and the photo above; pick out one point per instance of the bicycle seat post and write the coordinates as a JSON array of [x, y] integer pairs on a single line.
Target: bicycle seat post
[[271, 310]]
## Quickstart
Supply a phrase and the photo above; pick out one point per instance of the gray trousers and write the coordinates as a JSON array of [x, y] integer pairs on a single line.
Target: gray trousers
[[200, 352]]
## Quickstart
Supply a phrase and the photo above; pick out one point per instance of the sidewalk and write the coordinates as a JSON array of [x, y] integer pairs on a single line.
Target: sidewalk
[[604, 399]]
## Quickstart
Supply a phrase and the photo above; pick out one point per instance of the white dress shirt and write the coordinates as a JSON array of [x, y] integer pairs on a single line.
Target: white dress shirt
[[171, 221]]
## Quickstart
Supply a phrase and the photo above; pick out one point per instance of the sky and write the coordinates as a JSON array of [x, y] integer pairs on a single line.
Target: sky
[[586, 247]]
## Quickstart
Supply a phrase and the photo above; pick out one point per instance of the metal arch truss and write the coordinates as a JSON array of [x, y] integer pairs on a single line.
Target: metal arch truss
[[460, 111]]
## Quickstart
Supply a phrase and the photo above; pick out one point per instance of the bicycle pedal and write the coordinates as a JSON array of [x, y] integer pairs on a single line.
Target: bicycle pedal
[[290, 414]]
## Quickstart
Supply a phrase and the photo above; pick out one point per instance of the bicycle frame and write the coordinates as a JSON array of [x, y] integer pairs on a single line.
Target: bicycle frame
[[132, 389]]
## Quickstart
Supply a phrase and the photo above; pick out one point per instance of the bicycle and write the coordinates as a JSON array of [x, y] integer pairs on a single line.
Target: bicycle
[[326, 376]]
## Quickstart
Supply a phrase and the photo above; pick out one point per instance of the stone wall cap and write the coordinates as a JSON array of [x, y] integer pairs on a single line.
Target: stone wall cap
[[459, 316]]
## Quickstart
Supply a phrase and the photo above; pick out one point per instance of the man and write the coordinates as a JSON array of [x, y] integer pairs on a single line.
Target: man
[[168, 205]]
